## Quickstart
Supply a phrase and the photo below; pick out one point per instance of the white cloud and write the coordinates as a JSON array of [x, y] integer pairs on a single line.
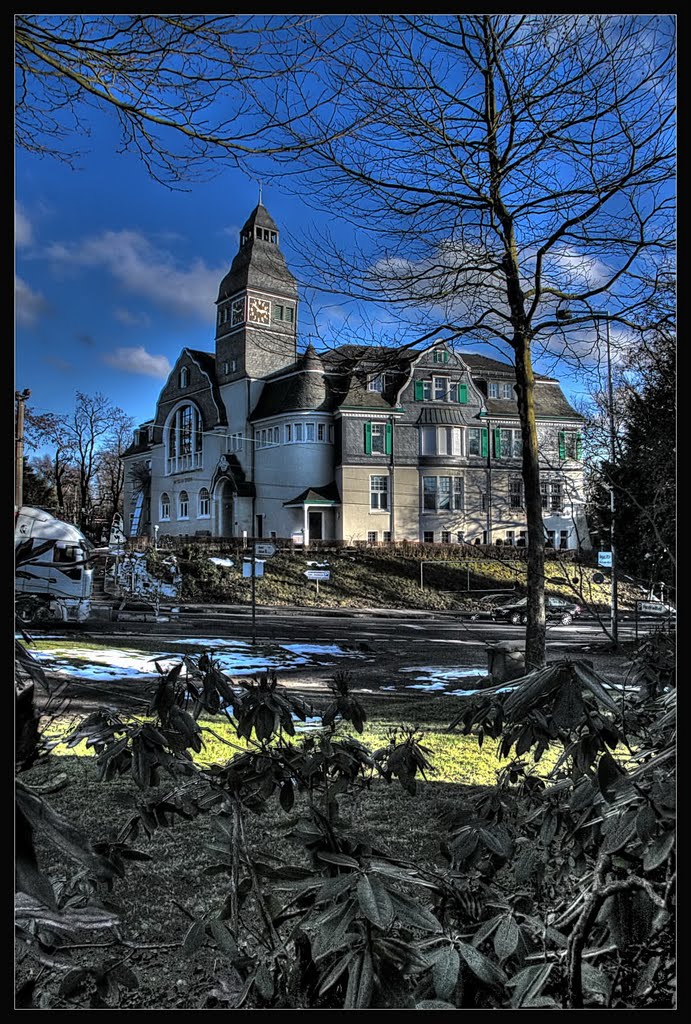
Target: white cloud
[[129, 319], [23, 234], [144, 269], [29, 305], [138, 360]]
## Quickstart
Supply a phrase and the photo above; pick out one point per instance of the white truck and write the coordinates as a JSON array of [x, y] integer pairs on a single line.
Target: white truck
[[52, 577]]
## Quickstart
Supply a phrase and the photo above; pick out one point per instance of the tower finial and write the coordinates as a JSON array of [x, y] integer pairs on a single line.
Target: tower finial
[[260, 191]]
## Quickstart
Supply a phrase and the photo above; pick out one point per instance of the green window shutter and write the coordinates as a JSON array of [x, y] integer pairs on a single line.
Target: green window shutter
[[368, 438], [579, 447], [562, 445], [463, 394], [484, 441], [497, 442], [446, 357], [418, 391], [388, 439]]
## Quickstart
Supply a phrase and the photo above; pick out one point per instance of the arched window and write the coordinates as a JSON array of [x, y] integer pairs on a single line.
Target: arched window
[[204, 504], [183, 505], [183, 377], [183, 438], [165, 507]]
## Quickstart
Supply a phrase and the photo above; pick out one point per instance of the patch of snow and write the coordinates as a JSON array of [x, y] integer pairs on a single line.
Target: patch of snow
[[227, 562]]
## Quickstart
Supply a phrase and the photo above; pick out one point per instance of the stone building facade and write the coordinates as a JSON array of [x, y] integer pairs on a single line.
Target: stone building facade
[[355, 443]]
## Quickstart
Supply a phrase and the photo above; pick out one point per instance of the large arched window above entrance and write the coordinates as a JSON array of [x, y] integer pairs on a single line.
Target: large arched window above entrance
[[183, 439]]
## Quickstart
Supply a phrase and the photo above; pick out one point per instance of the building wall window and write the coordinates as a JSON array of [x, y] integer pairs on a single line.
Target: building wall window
[[183, 505], [492, 389], [165, 508], [441, 389], [477, 441], [507, 443], [289, 433], [570, 445], [552, 496], [507, 391], [440, 356], [183, 377], [277, 435], [234, 442], [445, 537], [378, 438], [428, 537], [321, 431], [442, 493], [375, 382], [379, 492], [386, 536], [183, 438], [283, 314], [441, 441], [297, 431], [515, 492], [204, 504], [372, 537], [309, 431]]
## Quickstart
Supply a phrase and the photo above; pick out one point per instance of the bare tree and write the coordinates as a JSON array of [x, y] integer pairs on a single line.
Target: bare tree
[[508, 178], [180, 86], [45, 431], [110, 470]]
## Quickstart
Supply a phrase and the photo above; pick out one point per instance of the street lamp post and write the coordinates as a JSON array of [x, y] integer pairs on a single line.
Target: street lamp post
[[566, 315], [612, 502]]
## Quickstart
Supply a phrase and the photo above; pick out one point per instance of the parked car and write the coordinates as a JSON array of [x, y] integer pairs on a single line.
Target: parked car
[[556, 608], [488, 605]]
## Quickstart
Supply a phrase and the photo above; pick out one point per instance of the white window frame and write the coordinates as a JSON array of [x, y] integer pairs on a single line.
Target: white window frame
[[375, 382], [516, 493], [380, 427], [428, 440], [175, 424], [288, 433], [453, 493], [309, 431], [186, 502], [438, 384], [321, 432], [298, 432], [372, 536], [471, 434], [204, 499], [379, 495], [507, 391], [386, 536], [164, 508], [493, 389], [446, 536], [183, 377], [514, 440]]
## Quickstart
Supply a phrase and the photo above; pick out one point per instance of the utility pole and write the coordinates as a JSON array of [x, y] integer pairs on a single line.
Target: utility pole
[[21, 397]]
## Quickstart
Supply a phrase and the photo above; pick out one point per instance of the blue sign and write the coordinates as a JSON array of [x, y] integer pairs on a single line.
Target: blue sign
[[604, 558]]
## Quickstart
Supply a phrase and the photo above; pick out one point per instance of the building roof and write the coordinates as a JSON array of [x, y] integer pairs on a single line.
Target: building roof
[[207, 363], [442, 414], [258, 264], [301, 387], [327, 493], [484, 364]]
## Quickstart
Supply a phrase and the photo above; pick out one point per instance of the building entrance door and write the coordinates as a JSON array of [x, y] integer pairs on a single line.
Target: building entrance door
[[315, 525]]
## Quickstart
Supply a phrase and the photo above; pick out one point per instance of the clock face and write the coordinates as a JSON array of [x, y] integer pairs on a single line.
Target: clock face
[[260, 311], [237, 312]]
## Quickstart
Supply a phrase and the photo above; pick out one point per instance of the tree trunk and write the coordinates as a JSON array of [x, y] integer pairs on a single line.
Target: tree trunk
[[525, 385]]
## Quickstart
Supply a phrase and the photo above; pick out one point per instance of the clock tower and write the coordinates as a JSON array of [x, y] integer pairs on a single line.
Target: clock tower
[[256, 309]]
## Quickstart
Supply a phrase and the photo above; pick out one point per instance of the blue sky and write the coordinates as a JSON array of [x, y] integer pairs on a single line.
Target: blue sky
[[116, 273]]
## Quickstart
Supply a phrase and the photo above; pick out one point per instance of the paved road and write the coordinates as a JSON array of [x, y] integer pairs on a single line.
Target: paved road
[[412, 632]]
